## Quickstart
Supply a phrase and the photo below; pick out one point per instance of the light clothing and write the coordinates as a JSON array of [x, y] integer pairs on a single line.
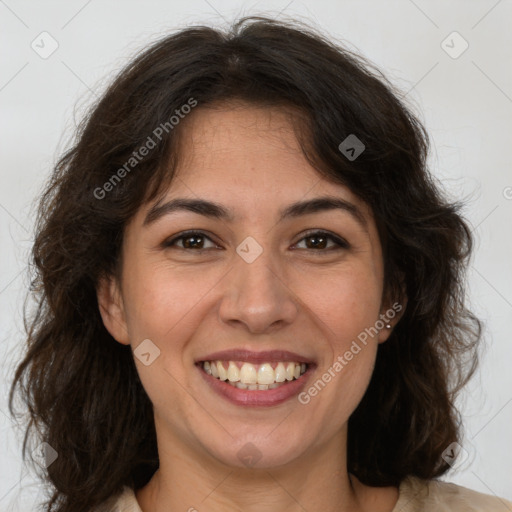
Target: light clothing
[[415, 495]]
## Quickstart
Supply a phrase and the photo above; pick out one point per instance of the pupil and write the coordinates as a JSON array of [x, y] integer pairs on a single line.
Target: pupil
[[196, 241], [319, 241]]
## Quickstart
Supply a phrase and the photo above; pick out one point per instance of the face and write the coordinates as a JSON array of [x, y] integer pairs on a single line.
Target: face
[[270, 284]]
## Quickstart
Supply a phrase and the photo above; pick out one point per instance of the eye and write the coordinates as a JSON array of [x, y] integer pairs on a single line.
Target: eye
[[191, 240], [319, 240], [316, 240]]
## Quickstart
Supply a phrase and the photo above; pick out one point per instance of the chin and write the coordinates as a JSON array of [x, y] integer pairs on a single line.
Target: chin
[[256, 452]]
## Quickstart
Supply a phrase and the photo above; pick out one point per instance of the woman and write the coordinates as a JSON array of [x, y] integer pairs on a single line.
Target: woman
[[251, 290]]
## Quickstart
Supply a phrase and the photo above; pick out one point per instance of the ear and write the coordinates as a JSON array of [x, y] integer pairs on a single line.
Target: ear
[[111, 308], [390, 314]]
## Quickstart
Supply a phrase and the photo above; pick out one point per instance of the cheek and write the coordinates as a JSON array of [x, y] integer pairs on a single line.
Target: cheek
[[162, 300], [346, 301], [162, 306], [346, 305]]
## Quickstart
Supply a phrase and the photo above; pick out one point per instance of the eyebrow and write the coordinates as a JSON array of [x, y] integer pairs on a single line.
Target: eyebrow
[[217, 211]]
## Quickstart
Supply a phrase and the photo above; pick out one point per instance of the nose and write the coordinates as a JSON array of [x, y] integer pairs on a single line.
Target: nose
[[257, 296]]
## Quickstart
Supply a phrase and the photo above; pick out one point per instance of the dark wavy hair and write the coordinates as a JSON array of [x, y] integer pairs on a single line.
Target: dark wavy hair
[[81, 387]]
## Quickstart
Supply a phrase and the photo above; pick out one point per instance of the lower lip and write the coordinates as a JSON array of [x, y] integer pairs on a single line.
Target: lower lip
[[257, 398]]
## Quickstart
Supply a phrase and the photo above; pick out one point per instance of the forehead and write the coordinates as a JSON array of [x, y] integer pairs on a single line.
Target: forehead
[[243, 141], [248, 158], [237, 148]]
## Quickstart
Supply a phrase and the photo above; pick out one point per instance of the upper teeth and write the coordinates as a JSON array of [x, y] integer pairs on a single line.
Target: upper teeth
[[248, 373]]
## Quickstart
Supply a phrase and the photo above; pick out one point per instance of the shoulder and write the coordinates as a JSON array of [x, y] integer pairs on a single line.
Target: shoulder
[[124, 502], [417, 495]]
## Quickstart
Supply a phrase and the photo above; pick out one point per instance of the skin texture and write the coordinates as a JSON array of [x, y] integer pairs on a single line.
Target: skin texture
[[294, 296]]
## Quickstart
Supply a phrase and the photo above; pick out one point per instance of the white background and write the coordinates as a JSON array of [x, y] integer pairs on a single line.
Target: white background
[[465, 102]]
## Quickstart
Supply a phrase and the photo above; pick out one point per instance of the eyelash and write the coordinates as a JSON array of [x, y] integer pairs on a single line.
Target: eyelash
[[340, 242]]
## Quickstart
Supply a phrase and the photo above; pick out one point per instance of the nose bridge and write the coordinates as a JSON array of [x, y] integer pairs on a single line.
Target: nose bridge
[[256, 294]]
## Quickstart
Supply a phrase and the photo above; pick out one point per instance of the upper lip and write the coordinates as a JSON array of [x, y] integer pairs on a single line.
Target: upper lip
[[250, 356]]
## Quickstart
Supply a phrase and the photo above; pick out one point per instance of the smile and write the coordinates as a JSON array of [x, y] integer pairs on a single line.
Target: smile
[[265, 381], [262, 377]]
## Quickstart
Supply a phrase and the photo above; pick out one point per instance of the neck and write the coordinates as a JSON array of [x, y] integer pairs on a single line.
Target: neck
[[192, 481]]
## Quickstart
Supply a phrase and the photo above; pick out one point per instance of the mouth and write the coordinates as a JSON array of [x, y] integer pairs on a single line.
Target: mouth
[[244, 375], [255, 379]]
